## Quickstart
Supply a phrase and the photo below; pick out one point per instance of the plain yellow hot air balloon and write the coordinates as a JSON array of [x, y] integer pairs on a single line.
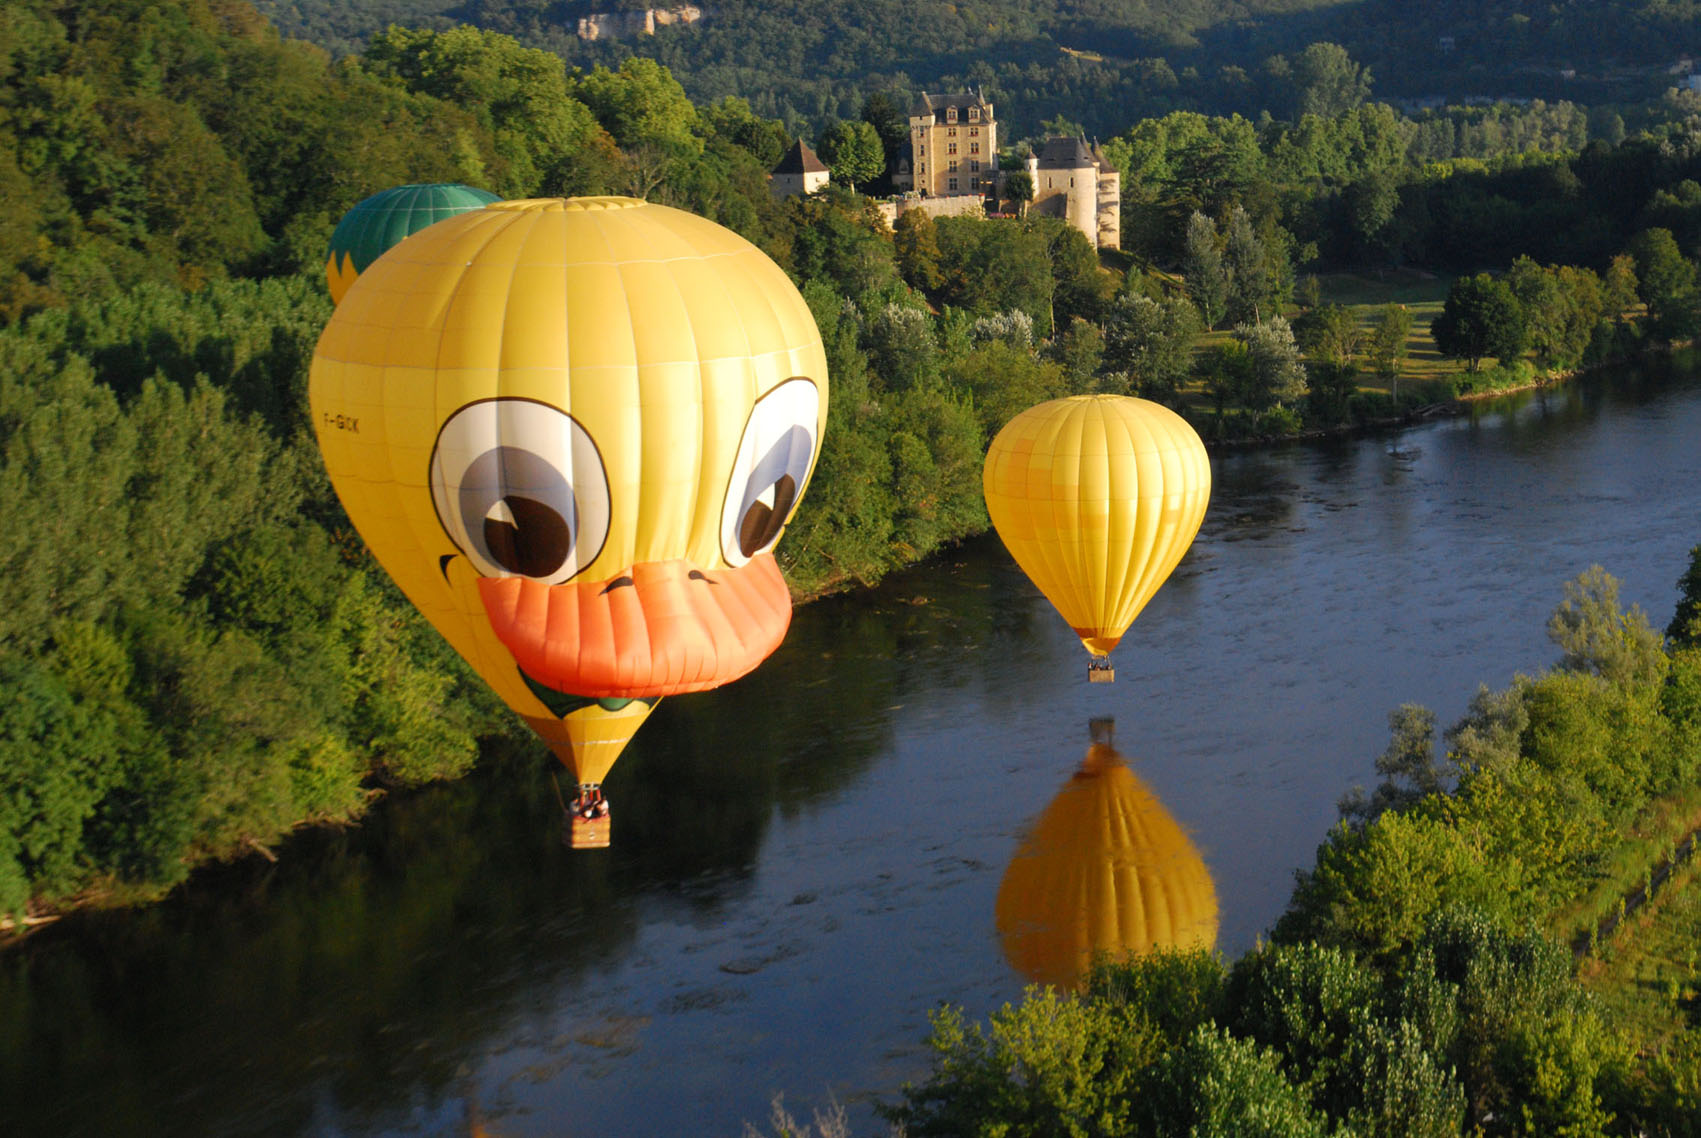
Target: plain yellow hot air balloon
[[1105, 871], [1097, 497], [573, 431]]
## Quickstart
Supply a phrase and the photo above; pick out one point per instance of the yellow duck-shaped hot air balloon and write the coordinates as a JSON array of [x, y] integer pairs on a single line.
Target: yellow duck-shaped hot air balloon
[[1105, 872], [573, 431], [1097, 497]]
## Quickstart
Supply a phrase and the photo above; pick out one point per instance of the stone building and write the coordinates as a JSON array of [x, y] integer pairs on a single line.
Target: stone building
[[953, 147], [1073, 181], [799, 172], [644, 22]]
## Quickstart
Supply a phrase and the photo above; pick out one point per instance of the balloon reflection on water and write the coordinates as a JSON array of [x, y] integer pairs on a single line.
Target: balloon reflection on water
[[1104, 871]]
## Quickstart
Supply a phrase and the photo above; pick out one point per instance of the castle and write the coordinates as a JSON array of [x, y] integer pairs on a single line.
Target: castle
[[952, 169], [1073, 181]]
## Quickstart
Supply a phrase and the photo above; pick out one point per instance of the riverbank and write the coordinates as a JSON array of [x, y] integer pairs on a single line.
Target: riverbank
[[114, 898]]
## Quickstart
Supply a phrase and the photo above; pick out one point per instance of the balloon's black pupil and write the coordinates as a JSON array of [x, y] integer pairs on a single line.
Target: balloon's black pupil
[[761, 523], [534, 544]]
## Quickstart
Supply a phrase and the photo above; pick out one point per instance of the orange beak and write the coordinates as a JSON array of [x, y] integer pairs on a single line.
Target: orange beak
[[660, 628]]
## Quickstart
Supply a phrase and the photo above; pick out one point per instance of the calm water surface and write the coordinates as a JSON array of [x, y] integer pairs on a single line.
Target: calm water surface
[[806, 862]]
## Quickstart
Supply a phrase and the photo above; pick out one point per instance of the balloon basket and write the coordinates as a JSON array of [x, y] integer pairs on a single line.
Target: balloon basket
[[588, 833], [1100, 673]]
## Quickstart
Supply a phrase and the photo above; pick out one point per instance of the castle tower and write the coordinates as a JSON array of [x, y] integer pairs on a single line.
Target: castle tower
[[953, 145], [1109, 203]]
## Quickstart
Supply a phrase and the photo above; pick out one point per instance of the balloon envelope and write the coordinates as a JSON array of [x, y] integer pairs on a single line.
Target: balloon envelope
[[1097, 497], [1105, 870], [573, 431], [373, 225]]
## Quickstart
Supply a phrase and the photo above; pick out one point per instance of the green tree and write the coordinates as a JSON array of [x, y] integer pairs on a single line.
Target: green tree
[[1276, 377], [1684, 631], [732, 118], [1480, 318], [1327, 83], [882, 111], [1620, 288], [1372, 204], [1598, 637], [1176, 991], [641, 105], [916, 242], [1405, 1090], [837, 237], [994, 266], [1148, 345], [1666, 282], [1306, 1002], [1251, 276], [1409, 768], [1202, 267], [1329, 334], [902, 352], [1373, 889], [1052, 1065], [57, 757], [1387, 345], [539, 119], [1019, 190], [1003, 380], [1216, 1085], [1079, 351], [852, 151]]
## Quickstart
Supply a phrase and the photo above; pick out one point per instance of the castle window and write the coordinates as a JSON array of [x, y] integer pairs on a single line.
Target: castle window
[[974, 167], [974, 130], [950, 114], [953, 165], [953, 183], [950, 132], [950, 148], [974, 114], [974, 148]]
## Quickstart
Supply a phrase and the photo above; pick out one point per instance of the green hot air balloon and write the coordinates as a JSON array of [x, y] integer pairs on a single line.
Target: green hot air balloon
[[383, 219]]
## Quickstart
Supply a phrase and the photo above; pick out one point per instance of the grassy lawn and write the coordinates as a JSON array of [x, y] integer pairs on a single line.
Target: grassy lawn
[[1666, 822], [1648, 977], [1422, 293]]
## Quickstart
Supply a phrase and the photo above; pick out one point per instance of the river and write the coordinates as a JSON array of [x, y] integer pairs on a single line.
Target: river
[[807, 861]]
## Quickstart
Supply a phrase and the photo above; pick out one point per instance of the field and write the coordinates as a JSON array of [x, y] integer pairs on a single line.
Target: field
[[1649, 976], [1421, 293]]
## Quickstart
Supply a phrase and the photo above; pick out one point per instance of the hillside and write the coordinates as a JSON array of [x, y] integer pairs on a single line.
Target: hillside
[[1099, 63]]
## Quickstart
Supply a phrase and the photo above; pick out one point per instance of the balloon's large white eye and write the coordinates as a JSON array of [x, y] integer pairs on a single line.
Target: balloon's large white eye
[[774, 459], [520, 488]]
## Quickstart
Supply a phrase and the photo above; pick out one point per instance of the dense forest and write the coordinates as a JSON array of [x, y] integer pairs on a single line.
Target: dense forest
[[208, 655], [1094, 62]]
